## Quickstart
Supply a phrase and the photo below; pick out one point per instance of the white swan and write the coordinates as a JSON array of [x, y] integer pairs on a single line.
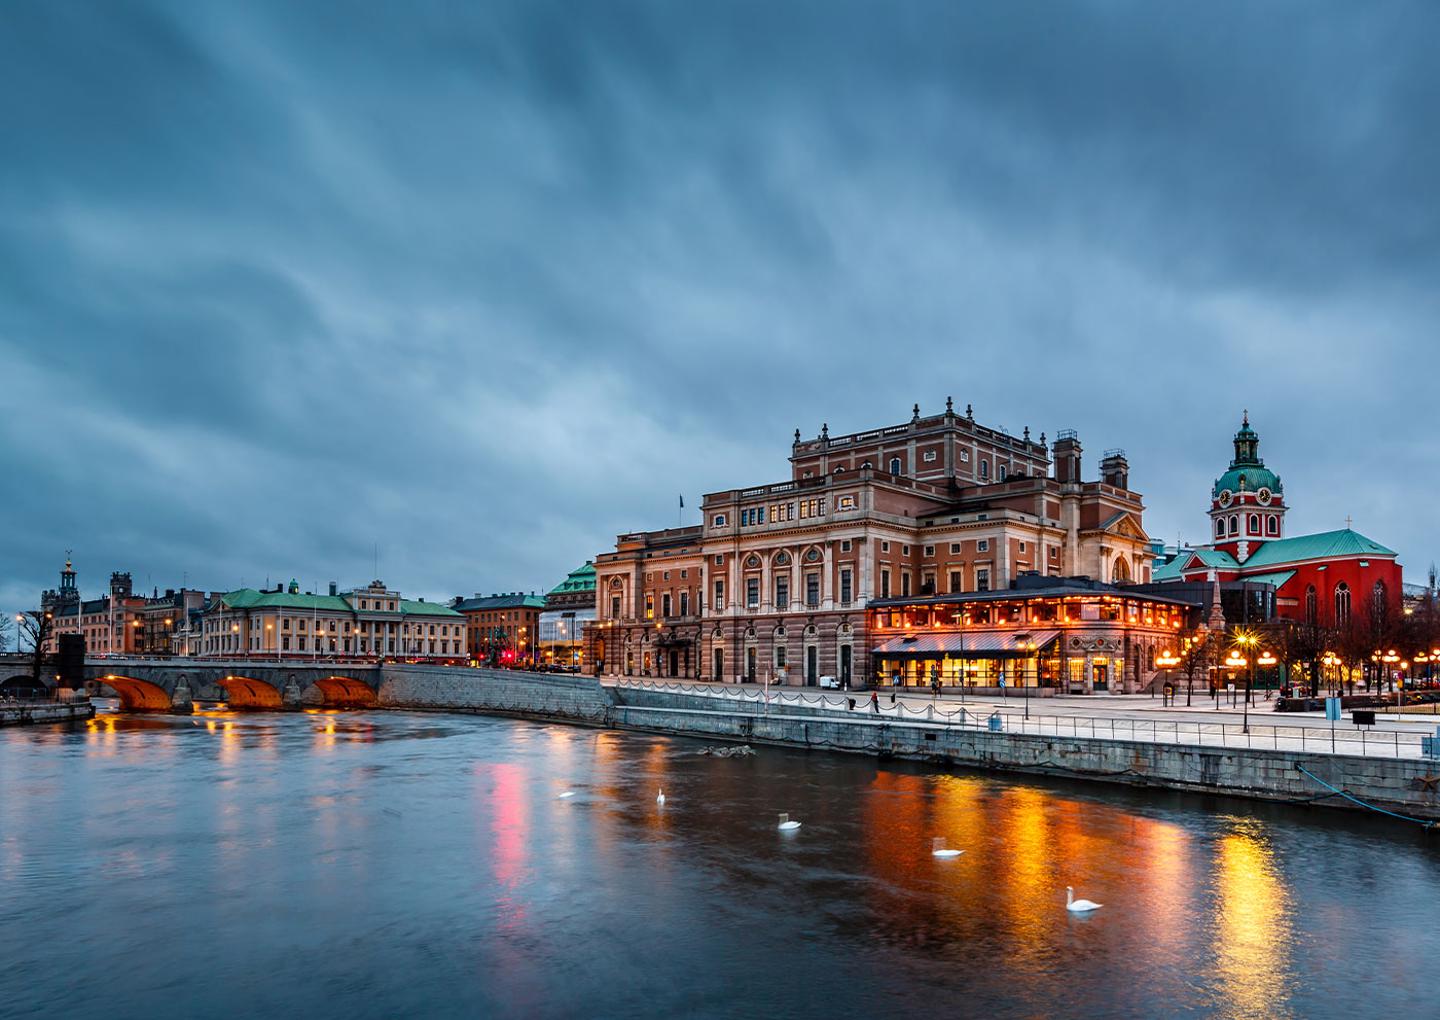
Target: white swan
[[938, 848], [786, 825], [567, 793], [660, 798], [1079, 906]]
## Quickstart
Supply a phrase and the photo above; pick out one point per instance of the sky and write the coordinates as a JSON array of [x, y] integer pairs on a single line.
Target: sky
[[480, 285]]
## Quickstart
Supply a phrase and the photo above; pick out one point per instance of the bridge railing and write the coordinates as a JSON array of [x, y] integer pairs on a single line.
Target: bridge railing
[[30, 696]]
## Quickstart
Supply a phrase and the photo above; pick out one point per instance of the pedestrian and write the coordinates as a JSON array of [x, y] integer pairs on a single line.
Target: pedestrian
[[875, 701]]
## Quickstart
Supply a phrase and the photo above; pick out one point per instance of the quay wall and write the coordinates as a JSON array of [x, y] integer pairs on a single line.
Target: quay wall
[[494, 691], [29, 714], [1407, 786]]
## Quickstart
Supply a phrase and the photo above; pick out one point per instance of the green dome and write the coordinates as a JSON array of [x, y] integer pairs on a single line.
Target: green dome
[[1256, 476]]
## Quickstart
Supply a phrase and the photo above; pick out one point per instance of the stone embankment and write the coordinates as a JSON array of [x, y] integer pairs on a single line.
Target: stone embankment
[[1408, 786], [28, 713]]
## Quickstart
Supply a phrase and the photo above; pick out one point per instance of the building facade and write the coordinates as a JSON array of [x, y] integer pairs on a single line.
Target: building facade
[[502, 629], [365, 624], [776, 580], [569, 610], [1323, 579], [111, 624]]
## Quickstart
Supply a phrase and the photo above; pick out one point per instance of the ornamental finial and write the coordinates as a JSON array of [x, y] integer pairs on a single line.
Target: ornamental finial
[[1245, 419], [915, 413], [825, 430], [949, 405], [797, 436], [970, 412]]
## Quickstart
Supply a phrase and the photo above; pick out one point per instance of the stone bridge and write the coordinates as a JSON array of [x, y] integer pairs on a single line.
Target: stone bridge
[[171, 685]]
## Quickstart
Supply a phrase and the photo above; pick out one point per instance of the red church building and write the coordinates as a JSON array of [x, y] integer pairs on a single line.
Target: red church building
[[1319, 578]]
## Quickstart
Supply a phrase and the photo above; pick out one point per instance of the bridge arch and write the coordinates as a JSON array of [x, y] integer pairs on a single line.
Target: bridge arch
[[137, 695], [243, 692], [340, 692]]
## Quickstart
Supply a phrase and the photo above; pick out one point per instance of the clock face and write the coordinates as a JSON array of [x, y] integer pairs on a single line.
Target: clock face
[[1264, 496], [1225, 497]]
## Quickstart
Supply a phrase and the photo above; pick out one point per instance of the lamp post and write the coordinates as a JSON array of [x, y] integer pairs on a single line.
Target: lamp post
[[1330, 660], [1246, 641], [1031, 649], [1167, 662]]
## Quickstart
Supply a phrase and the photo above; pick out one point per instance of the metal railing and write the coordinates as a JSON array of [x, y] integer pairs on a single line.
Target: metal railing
[[1359, 741]]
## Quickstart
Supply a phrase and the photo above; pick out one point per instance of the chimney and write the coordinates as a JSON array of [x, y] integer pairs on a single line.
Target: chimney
[[1115, 470], [333, 586], [1067, 456]]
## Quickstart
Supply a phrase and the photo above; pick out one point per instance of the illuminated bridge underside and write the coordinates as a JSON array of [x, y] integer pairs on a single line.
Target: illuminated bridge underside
[[245, 692], [138, 695], [340, 692]]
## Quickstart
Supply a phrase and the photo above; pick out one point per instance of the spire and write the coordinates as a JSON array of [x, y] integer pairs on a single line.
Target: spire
[[1245, 419]]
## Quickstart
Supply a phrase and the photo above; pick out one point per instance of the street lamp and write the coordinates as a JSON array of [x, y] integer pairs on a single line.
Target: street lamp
[[1330, 661], [1167, 662]]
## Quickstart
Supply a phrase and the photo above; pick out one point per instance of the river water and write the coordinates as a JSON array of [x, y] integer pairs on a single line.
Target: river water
[[390, 865]]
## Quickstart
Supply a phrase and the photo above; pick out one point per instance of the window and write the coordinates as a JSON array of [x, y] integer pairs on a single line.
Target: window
[[1272, 525], [884, 546], [782, 593], [812, 589], [983, 545], [927, 584], [1022, 546], [985, 470], [929, 456], [845, 588], [894, 465], [1342, 604], [1310, 604], [684, 574], [904, 584], [684, 603], [954, 548], [929, 550], [845, 545], [667, 575], [719, 601], [1000, 473], [1254, 524], [779, 656], [845, 503], [718, 521], [1235, 525], [665, 605], [1378, 602], [649, 607], [719, 560], [885, 583], [956, 583], [982, 579], [752, 593], [1219, 527], [904, 550]]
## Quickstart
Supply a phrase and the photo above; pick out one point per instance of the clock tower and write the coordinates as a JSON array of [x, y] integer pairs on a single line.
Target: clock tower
[[1247, 503]]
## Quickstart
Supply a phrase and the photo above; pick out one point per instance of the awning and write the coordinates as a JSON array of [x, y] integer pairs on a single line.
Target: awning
[[985, 645]]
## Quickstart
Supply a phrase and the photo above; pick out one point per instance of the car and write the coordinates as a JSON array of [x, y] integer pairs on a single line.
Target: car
[[830, 682]]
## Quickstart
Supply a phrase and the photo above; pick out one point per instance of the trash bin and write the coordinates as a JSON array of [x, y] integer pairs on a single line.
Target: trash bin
[[996, 723]]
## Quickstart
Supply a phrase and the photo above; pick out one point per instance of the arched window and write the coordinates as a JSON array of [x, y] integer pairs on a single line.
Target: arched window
[[1121, 570], [1254, 524], [894, 465], [1234, 524], [1378, 601], [985, 470], [1272, 525], [1310, 604], [1342, 604], [1219, 527]]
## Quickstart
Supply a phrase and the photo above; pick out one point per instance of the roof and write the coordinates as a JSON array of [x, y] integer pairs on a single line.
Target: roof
[[517, 600], [1325, 545], [582, 578], [982, 644], [1068, 590], [413, 607], [1170, 569], [249, 598], [1248, 478], [1277, 579]]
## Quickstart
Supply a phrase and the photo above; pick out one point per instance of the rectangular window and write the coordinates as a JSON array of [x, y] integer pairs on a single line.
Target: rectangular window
[[649, 607], [905, 584], [752, 593], [1022, 546], [928, 585], [782, 593], [718, 602], [983, 545], [929, 456], [812, 590], [684, 603], [615, 607], [846, 592], [779, 656], [929, 550], [956, 584], [719, 560], [845, 503], [904, 550], [885, 583], [718, 521], [665, 605], [982, 579], [884, 547], [845, 545], [954, 548]]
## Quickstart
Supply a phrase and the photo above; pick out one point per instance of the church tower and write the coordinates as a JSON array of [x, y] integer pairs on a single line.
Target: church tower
[[1247, 502]]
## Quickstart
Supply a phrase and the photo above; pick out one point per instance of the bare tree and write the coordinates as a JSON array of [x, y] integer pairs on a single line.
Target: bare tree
[[1197, 653], [35, 628], [5, 627]]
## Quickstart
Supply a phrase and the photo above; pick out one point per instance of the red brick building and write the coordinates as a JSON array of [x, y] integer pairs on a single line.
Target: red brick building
[[1322, 578], [775, 580]]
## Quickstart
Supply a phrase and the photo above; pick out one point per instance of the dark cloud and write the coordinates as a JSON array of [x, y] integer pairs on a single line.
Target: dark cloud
[[488, 283]]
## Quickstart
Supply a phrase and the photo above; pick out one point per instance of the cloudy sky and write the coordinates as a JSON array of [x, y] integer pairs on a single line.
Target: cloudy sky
[[487, 283]]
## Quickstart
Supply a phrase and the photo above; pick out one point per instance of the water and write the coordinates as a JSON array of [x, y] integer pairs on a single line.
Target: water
[[386, 865]]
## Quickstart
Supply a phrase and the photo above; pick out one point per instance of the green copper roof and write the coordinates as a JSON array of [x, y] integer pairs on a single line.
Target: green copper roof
[[1277, 579], [582, 578], [410, 607], [1327, 544], [249, 598], [1248, 478]]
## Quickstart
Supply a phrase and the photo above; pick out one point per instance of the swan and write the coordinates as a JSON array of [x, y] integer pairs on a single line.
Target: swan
[[567, 793], [786, 825], [1079, 906], [660, 798], [938, 848]]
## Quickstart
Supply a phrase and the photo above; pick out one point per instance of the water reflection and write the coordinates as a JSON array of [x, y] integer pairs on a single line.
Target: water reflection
[[1252, 929]]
